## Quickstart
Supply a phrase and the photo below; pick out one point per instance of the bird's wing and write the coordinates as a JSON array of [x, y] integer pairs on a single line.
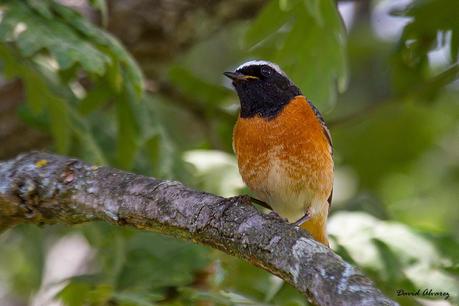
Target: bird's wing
[[329, 200], [327, 134], [323, 124]]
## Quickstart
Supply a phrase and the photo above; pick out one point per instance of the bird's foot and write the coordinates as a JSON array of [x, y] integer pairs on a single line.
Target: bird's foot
[[275, 215], [303, 219]]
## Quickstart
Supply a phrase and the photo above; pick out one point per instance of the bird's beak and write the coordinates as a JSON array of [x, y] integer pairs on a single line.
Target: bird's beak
[[237, 76]]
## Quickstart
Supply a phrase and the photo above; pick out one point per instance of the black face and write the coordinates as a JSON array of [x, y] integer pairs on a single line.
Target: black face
[[262, 90]]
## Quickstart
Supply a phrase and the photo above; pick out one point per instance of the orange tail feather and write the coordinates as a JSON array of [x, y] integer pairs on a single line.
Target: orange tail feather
[[316, 226]]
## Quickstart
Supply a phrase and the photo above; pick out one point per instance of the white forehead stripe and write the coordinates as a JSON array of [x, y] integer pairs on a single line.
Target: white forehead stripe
[[260, 63]]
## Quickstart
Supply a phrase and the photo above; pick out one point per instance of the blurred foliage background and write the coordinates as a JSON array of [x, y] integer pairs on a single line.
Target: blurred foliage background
[[138, 85]]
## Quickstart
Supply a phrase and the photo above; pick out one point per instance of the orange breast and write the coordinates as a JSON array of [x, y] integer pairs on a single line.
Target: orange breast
[[294, 143]]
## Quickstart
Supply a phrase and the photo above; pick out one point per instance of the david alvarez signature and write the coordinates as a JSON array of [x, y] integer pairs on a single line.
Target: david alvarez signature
[[426, 292]]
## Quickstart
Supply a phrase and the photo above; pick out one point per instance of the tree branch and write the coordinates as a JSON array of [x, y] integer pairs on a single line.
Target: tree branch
[[42, 188]]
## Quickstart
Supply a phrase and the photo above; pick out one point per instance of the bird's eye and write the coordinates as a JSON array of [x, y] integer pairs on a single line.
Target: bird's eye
[[266, 71]]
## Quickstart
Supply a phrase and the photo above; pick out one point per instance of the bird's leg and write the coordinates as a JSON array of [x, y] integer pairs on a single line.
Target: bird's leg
[[261, 203], [303, 219]]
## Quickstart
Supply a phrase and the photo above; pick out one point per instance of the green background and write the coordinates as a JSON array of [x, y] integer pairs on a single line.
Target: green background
[[387, 84]]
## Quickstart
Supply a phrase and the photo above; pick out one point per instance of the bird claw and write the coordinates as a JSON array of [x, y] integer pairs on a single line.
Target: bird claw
[[297, 223], [275, 215], [303, 219]]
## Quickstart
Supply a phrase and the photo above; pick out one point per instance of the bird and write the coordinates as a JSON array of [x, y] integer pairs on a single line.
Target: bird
[[283, 147]]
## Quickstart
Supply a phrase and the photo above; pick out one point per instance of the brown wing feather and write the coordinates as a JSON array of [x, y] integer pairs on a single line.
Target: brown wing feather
[[330, 198], [327, 134], [323, 124]]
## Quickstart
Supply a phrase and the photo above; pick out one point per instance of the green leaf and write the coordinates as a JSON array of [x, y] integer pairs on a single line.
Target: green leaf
[[101, 5], [34, 88], [415, 124], [22, 260], [454, 53], [155, 262], [420, 36], [128, 130], [291, 34], [115, 77], [40, 33], [93, 100], [392, 272], [85, 290], [60, 123], [43, 7], [133, 76], [90, 149], [162, 126], [162, 154], [208, 95], [267, 24], [130, 298], [313, 7], [75, 294], [245, 279], [37, 40]]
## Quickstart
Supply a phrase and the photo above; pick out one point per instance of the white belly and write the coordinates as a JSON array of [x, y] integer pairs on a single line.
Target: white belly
[[288, 197]]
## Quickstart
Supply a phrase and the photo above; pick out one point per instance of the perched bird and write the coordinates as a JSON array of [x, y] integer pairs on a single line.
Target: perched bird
[[283, 147]]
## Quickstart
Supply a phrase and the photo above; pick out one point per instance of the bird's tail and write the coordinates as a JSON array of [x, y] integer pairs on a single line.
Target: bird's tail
[[317, 227]]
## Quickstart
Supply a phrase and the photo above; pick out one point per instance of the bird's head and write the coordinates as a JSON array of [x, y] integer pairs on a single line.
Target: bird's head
[[263, 88]]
